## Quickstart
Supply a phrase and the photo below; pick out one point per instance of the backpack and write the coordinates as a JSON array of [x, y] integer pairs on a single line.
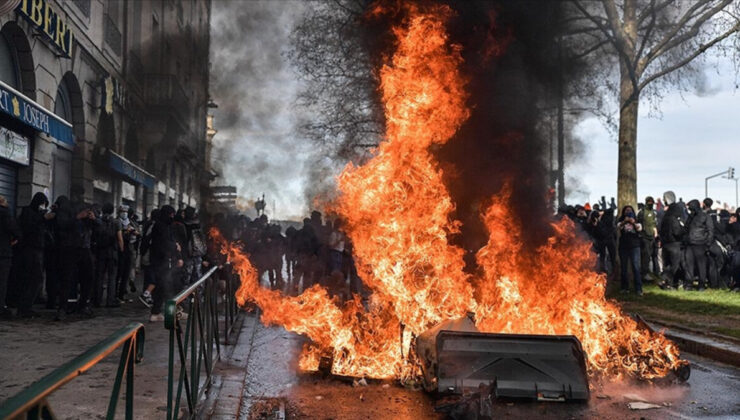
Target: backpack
[[106, 237]]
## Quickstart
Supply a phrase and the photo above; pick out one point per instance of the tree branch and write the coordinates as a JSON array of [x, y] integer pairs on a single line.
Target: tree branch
[[691, 57]]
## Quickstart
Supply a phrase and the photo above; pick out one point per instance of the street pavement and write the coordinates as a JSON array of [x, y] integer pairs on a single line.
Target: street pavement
[[33, 348], [272, 378], [261, 370]]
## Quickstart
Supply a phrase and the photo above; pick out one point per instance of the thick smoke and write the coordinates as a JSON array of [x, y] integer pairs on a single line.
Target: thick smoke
[[255, 89], [512, 61]]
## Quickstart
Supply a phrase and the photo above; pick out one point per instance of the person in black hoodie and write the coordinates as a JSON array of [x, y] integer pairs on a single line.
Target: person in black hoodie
[[700, 236], [164, 257], [75, 224], [733, 232], [33, 223], [671, 231], [9, 235], [629, 248]]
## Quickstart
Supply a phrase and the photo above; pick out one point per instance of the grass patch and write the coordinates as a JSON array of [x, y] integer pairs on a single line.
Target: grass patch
[[708, 302]]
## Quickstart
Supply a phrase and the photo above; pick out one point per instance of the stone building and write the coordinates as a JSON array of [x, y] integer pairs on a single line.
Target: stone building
[[109, 96]]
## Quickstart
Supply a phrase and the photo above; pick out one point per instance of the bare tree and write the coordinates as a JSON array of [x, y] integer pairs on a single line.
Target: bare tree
[[331, 56], [658, 44]]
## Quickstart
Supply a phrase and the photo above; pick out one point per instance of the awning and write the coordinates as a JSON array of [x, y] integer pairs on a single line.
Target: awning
[[123, 166], [25, 110]]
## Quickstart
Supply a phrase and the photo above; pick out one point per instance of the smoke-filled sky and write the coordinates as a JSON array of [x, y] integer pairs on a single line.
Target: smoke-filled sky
[[256, 148], [255, 89]]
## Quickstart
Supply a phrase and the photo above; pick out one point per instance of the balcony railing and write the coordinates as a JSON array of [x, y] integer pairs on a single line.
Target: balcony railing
[[163, 93]]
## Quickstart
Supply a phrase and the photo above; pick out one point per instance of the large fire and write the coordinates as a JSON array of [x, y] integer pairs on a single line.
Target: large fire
[[397, 213]]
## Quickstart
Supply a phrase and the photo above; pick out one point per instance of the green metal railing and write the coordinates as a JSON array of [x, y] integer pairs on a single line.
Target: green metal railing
[[198, 343], [31, 403]]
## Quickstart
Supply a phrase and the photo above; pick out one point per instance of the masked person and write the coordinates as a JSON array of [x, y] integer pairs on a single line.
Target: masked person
[[9, 235], [700, 236], [671, 232], [33, 224], [647, 217], [716, 249], [75, 224], [629, 248], [109, 241], [127, 239], [164, 258]]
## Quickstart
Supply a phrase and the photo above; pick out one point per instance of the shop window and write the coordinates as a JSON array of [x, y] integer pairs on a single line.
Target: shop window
[[8, 69]]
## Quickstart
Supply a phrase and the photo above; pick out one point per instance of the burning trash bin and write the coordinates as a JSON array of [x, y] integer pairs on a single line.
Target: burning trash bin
[[456, 358]]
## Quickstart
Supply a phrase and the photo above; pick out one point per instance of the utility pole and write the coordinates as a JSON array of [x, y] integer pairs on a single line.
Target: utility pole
[[561, 130], [729, 174]]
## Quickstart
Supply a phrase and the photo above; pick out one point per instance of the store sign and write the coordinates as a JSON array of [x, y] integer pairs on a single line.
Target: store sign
[[34, 115], [50, 23], [119, 164], [14, 147], [114, 92]]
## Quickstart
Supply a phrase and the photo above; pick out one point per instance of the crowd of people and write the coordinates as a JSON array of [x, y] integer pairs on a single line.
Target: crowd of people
[[75, 257], [688, 246], [316, 252]]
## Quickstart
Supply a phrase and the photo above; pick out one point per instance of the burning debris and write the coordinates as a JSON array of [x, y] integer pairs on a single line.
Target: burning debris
[[398, 214]]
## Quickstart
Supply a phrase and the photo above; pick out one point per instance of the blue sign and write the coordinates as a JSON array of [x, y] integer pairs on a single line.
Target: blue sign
[[136, 174], [34, 115]]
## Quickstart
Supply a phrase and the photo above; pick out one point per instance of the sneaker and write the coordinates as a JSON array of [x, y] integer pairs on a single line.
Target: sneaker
[[146, 299], [86, 312], [156, 318], [639, 293]]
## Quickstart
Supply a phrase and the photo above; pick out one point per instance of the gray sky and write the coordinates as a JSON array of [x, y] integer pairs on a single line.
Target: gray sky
[[697, 136], [256, 148]]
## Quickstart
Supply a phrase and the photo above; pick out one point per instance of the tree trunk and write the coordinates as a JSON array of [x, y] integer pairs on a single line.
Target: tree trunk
[[627, 165]]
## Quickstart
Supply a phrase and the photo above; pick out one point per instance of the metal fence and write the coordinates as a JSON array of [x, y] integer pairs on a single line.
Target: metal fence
[[195, 347], [31, 403]]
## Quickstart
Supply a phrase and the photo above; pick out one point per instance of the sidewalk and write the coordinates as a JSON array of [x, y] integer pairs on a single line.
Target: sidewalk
[[722, 349], [33, 348]]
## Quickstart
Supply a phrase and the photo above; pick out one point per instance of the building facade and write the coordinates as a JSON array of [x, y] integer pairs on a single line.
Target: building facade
[[108, 97]]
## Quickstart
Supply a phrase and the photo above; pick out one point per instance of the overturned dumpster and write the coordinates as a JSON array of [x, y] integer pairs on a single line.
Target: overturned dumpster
[[456, 359]]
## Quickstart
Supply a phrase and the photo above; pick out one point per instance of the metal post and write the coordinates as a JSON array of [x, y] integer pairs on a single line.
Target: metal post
[[706, 180]]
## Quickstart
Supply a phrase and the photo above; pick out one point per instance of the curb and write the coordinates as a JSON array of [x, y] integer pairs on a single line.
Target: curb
[[702, 345]]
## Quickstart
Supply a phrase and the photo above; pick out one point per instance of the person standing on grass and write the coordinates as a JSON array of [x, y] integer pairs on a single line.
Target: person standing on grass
[[629, 248], [671, 232], [700, 236]]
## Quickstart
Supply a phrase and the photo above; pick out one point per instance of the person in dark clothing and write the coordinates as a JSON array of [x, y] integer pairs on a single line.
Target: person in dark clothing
[[51, 261], [109, 241], [600, 227], [75, 224], [733, 231], [700, 234], [716, 252], [648, 218], [165, 255], [307, 248], [629, 248], [196, 246], [144, 250], [671, 233], [9, 235], [129, 233], [33, 223], [179, 277]]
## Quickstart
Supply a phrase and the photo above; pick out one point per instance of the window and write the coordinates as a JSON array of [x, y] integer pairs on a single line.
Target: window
[[8, 70], [62, 105]]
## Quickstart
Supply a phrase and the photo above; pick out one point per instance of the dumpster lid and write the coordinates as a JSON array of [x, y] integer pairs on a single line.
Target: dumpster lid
[[541, 367]]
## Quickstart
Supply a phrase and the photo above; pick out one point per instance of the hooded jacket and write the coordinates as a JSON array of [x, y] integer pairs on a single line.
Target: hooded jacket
[[700, 227], [672, 228], [8, 231], [164, 246], [32, 223]]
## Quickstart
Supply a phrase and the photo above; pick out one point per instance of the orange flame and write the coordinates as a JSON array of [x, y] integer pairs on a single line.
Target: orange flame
[[397, 213]]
